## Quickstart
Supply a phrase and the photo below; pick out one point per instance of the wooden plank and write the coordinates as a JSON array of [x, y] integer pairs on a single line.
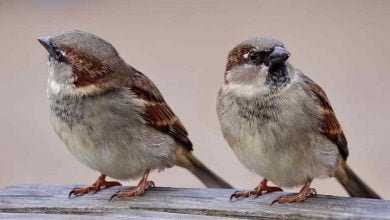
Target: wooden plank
[[48, 201], [132, 214]]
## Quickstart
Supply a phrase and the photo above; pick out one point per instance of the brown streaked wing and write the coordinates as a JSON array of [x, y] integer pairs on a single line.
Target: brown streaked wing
[[157, 112], [329, 125]]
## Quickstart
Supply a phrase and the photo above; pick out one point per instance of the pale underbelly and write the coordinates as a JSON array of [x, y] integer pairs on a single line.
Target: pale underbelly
[[118, 157], [286, 164]]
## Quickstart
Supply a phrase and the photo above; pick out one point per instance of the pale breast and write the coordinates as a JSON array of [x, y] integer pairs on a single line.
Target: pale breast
[[276, 137], [105, 134]]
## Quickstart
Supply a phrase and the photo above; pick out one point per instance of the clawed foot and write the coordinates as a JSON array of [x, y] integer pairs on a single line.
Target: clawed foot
[[305, 192], [143, 185], [137, 191], [99, 184], [258, 191]]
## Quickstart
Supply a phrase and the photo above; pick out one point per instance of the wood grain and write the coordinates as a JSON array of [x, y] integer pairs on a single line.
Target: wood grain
[[51, 202]]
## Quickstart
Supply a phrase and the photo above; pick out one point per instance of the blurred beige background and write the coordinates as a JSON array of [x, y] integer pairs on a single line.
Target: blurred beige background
[[182, 47]]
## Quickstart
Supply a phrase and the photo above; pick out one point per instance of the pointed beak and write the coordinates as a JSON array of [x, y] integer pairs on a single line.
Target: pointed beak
[[45, 41], [278, 56]]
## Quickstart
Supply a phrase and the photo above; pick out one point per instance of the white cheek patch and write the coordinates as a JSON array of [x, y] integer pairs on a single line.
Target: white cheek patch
[[85, 90], [54, 87], [62, 81], [59, 82], [246, 90], [256, 87]]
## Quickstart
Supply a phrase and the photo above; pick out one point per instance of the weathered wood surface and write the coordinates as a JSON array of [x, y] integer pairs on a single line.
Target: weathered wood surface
[[52, 202]]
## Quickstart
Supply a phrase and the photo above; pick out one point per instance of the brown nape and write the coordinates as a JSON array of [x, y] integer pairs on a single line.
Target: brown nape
[[88, 69], [236, 56]]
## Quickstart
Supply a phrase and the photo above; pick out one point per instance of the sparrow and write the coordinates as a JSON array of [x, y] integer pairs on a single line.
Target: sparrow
[[280, 124], [112, 117]]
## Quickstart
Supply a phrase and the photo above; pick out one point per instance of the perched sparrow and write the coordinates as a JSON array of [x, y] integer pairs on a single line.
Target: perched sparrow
[[112, 117], [280, 123]]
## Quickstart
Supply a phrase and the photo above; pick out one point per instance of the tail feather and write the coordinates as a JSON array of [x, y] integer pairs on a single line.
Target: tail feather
[[187, 160], [353, 184]]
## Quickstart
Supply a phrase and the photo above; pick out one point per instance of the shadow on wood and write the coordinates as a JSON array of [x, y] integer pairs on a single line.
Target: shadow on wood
[[52, 202]]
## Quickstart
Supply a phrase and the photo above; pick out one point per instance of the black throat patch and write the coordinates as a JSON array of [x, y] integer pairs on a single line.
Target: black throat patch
[[278, 77]]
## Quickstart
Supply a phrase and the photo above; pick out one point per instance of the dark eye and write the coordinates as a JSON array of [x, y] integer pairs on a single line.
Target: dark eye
[[253, 56], [57, 54]]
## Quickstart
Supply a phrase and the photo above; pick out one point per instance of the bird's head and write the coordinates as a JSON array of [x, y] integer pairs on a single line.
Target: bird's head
[[257, 63], [80, 62]]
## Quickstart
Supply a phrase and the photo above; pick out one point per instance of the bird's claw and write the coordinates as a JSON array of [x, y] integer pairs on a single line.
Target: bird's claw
[[78, 191], [94, 188], [299, 197], [139, 190], [113, 196], [258, 191], [240, 195]]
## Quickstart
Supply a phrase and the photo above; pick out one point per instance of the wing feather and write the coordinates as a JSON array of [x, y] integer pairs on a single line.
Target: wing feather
[[157, 112], [329, 125]]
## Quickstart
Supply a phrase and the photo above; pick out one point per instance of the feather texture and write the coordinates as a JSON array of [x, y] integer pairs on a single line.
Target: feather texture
[[329, 125], [157, 112]]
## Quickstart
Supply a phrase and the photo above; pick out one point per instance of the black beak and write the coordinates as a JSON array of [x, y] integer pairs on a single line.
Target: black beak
[[45, 41], [278, 56]]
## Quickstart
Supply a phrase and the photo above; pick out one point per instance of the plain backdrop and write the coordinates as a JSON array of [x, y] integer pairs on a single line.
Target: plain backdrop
[[182, 46]]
